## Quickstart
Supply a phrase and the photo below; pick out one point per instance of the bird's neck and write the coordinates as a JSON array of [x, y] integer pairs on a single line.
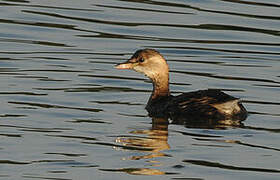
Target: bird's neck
[[160, 85]]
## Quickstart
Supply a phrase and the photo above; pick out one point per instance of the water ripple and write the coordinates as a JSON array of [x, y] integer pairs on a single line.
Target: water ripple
[[226, 77], [25, 41], [181, 40], [140, 9], [54, 106], [229, 167], [253, 3], [139, 171], [200, 26], [239, 142]]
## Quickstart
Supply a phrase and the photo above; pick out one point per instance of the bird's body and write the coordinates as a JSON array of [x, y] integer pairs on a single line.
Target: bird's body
[[198, 105], [211, 104]]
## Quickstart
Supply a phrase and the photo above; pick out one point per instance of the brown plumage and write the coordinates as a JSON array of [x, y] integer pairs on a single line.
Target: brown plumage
[[211, 104]]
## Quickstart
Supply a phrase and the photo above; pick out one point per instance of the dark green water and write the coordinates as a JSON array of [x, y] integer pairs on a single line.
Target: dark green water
[[66, 113]]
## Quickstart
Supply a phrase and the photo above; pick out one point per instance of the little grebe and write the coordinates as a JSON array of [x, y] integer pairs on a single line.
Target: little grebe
[[211, 104]]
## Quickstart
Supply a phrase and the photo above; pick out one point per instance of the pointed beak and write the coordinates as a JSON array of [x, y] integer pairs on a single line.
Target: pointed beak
[[126, 65]]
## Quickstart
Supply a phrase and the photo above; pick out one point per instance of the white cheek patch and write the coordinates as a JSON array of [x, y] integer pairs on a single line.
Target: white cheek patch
[[138, 69], [150, 73]]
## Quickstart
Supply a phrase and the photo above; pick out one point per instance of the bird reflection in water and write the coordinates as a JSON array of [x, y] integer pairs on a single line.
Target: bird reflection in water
[[208, 123], [155, 143]]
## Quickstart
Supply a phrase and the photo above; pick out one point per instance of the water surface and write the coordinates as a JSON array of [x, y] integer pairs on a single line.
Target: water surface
[[68, 114]]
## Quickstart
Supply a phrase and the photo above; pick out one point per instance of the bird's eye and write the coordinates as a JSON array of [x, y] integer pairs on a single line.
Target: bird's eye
[[141, 60]]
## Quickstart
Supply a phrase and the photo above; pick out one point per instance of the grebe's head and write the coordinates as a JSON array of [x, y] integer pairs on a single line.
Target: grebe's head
[[147, 61]]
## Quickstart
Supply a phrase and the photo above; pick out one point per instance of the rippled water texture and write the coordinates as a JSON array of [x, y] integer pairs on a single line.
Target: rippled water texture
[[66, 113]]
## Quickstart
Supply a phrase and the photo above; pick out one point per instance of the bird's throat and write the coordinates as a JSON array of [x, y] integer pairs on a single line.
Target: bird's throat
[[160, 86]]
